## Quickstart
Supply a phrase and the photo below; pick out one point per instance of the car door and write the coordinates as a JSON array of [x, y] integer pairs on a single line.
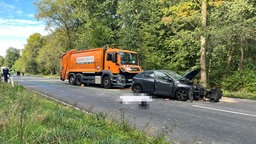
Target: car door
[[148, 81], [163, 84]]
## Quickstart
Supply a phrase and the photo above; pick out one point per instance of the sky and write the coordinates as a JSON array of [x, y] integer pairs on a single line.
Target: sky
[[17, 23]]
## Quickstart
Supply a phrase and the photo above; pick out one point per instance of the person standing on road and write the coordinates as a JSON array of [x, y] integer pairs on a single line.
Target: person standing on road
[[5, 74]]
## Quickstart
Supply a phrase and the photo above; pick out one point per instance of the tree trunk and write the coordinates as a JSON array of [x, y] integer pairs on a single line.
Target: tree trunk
[[67, 30], [69, 36], [229, 55], [241, 58], [203, 46], [53, 71]]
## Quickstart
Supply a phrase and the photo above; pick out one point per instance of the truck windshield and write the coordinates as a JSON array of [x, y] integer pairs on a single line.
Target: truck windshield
[[128, 58]]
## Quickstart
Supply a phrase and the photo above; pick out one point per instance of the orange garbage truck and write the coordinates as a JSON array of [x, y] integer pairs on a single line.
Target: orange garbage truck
[[105, 66]]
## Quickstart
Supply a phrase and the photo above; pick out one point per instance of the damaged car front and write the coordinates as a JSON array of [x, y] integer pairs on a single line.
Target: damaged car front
[[169, 83], [196, 91]]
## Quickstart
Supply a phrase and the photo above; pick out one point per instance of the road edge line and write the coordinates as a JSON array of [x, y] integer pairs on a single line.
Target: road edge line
[[227, 111]]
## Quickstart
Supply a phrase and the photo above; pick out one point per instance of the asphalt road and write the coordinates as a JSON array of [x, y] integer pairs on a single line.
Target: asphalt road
[[231, 121]]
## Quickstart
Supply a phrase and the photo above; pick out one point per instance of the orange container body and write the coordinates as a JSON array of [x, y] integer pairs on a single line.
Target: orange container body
[[88, 61]]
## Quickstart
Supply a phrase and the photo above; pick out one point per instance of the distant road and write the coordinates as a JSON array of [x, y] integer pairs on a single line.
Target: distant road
[[231, 121]]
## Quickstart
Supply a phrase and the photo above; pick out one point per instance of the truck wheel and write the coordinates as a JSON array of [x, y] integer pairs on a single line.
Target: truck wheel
[[71, 79], [79, 79], [106, 82], [182, 94]]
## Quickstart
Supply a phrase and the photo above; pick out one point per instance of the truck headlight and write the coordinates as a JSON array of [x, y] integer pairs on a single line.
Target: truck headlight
[[122, 69], [129, 69]]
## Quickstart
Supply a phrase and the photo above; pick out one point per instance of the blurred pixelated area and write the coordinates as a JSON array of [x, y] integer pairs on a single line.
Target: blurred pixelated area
[[141, 99]]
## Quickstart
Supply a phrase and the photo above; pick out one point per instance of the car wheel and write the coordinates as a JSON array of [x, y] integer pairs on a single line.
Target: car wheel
[[182, 94], [106, 82], [71, 79], [137, 88], [78, 80]]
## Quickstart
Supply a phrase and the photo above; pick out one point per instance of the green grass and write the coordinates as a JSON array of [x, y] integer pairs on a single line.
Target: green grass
[[51, 76], [26, 117], [240, 94], [56, 76]]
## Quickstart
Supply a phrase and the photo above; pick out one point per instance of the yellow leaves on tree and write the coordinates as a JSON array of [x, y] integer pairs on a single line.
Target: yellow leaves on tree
[[181, 11], [216, 3]]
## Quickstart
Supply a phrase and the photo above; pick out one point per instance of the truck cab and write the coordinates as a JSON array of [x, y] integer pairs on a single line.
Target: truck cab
[[123, 65]]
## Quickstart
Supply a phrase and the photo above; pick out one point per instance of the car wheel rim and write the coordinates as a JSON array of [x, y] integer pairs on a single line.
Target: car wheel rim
[[182, 94], [137, 88]]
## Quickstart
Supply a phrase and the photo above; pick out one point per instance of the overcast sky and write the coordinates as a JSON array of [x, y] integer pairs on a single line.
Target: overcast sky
[[17, 23]]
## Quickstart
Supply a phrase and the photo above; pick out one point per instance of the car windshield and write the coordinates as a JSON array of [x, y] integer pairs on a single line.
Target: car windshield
[[173, 74], [128, 58]]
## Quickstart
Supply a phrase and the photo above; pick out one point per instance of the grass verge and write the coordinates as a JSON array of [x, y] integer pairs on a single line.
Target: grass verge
[[56, 76], [242, 95], [26, 117]]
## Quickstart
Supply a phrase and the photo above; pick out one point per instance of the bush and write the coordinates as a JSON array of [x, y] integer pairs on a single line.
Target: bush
[[241, 80]]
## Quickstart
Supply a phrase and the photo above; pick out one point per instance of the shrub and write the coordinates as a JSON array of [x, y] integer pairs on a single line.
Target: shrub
[[241, 80]]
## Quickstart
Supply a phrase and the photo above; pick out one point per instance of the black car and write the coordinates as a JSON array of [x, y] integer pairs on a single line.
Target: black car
[[168, 83]]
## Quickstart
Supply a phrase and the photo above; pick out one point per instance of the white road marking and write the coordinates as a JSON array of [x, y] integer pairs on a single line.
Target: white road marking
[[227, 111], [38, 80]]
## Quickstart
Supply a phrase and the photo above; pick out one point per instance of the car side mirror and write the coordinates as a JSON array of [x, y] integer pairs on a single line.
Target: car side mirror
[[169, 80]]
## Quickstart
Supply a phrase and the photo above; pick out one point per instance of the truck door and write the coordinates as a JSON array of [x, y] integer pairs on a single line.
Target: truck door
[[163, 84], [111, 62]]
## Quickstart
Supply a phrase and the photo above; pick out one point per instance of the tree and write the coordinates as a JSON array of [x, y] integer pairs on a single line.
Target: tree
[[19, 65], [48, 58], [133, 15], [30, 52], [99, 23], [142, 30], [1, 60], [231, 38], [12, 54], [182, 42], [60, 14], [203, 44]]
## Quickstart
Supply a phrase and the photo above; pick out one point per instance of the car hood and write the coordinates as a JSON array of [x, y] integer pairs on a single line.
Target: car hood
[[190, 75]]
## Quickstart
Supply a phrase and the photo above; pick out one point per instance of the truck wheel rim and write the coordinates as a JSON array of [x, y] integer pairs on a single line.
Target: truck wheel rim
[[71, 79], [106, 82]]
